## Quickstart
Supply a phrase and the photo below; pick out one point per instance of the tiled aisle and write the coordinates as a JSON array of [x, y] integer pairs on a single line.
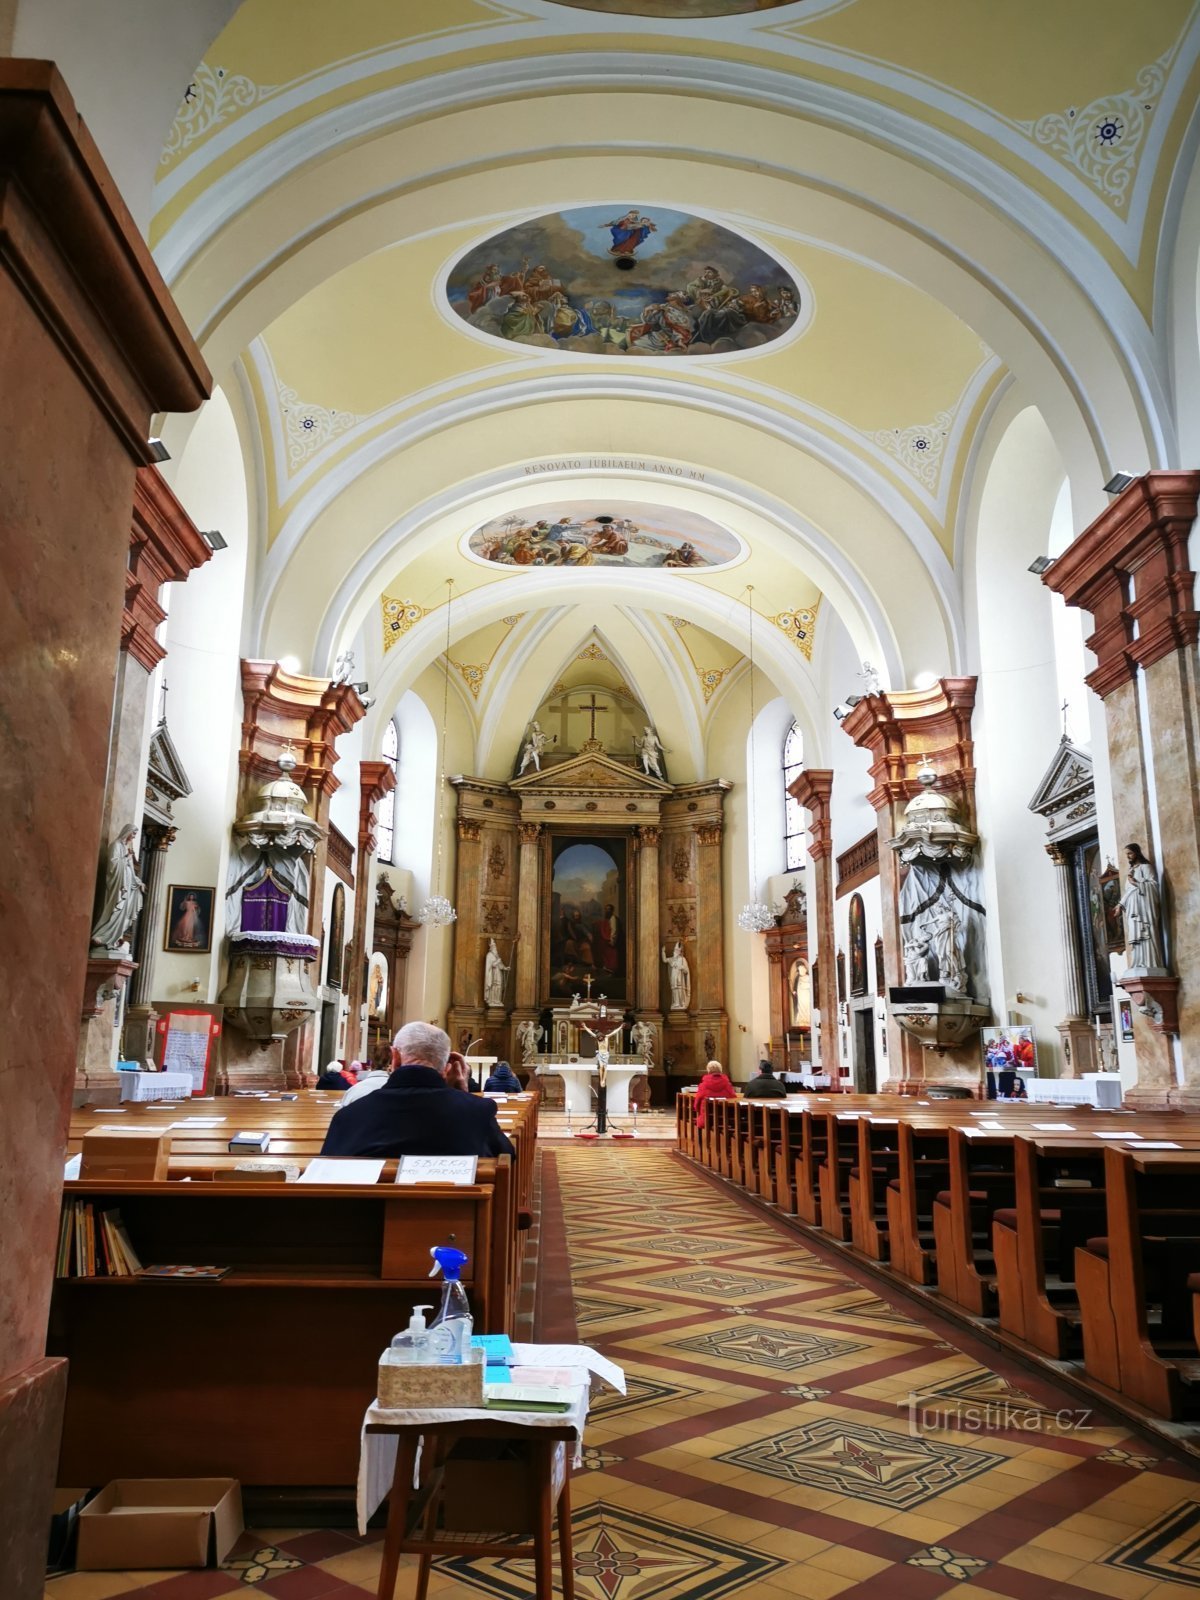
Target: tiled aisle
[[764, 1447]]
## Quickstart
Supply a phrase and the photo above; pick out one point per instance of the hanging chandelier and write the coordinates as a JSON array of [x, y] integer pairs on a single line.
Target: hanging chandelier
[[755, 916], [436, 911]]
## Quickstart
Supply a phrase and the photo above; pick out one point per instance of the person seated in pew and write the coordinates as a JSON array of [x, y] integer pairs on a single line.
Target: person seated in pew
[[714, 1085], [766, 1086], [418, 1112], [333, 1077], [383, 1061], [502, 1080]]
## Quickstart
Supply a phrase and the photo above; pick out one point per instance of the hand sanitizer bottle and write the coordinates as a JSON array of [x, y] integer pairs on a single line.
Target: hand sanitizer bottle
[[454, 1313], [412, 1345]]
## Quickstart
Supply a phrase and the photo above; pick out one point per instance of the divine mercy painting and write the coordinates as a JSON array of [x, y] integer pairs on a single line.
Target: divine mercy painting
[[638, 280], [587, 918], [603, 534]]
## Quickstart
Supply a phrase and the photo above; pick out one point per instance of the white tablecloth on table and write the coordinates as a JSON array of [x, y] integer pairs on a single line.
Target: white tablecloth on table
[[377, 1453], [809, 1080], [156, 1085]]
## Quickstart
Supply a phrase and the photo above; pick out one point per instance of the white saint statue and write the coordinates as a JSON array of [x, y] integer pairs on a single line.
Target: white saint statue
[[643, 1041], [947, 931], [680, 977], [527, 1040], [535, 743], [122, 894], [918, 961], [1142, 905], [494, 975], [649, 747]]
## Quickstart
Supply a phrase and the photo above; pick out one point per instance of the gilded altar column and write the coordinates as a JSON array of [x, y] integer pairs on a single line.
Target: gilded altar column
[[529, 921], [468, 951], [648, 952], [1079, 1041], [375, 779], [708, 970], [812, 789]]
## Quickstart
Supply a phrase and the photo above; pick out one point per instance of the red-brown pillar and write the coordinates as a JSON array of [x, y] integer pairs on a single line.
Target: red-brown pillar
[[92, 348], [813, 789], [375, 779], [1129, 570]]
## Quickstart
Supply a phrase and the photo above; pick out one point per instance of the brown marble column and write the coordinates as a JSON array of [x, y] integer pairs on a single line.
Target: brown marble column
[[468, 949], [92, 348], [1075, 1030], [904, 732], [813, 789], [1129, 570], [375, 779], [649, 954], [529, 920]]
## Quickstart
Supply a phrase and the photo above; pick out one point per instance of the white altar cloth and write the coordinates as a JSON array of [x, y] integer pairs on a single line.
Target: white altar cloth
[[577, 1079], [156, 1085]]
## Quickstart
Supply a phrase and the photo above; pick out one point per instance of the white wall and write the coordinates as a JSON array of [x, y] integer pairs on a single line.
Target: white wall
[[202, 669]]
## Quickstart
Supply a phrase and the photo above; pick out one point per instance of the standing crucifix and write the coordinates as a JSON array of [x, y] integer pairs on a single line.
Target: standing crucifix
[[590, 708]]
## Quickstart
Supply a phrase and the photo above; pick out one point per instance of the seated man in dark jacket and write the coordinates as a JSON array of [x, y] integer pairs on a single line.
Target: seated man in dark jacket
[[766, 1086], [416, 1112]]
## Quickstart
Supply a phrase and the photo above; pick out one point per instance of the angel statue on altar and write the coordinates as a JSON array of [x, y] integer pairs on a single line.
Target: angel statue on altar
[[535, 743], [649, 748]]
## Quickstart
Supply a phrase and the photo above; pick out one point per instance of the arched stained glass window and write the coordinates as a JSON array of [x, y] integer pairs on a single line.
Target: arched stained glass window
[[385, 814], [794, 828]]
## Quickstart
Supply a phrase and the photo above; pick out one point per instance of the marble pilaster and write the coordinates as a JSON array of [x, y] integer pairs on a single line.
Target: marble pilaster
[[1075, 1030], [92, 348], [375, 779], [529, 919], [649, 953], [813, 789]]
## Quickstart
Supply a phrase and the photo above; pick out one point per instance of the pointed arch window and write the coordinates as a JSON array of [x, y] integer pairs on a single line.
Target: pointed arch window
[[385, 812], [793, 815]]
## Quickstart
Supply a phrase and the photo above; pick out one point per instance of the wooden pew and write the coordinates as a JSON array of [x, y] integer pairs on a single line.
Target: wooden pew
[[1137, 1281]]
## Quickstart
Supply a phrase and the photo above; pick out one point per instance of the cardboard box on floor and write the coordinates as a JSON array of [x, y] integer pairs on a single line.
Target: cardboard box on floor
[[160, 1522]]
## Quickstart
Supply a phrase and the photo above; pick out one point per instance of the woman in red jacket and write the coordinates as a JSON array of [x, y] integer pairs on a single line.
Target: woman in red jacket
[[714, 1085]]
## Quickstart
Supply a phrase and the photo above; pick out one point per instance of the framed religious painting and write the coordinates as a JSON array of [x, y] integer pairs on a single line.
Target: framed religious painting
[[1112, 915], [587, 911], [1009, 1049], [377, 985], [1126, 1015], [189, 919], [858, 946]]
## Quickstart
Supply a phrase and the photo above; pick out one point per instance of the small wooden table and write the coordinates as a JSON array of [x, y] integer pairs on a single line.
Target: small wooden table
[[434, 1440]]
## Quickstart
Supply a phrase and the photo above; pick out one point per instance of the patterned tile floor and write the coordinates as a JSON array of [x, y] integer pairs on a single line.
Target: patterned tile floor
[[786, 1433]]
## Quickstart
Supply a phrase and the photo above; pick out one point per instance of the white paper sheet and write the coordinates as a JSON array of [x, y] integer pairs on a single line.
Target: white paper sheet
[[1125, 1138], [327, 1169], [1158, 1144], [71, 1168], [198, 1122], [458, 1170], [1054, 1127]]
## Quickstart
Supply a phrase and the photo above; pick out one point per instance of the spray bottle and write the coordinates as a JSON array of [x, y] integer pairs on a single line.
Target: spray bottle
[[454, 1313]]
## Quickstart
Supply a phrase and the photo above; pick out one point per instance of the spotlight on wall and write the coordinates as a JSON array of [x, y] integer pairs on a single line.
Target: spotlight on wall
[[1119, 481], [214, 540], [158, 450], [290, 663], [360, 688], [1040, 564], [840, 713], [925, 680]]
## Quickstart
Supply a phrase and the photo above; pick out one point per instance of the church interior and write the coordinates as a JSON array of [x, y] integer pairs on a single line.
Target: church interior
[[557, 519]]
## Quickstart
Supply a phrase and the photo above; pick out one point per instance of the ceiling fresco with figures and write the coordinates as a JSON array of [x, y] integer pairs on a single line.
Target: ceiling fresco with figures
[[604, 534], [674, 10], [625, 280]]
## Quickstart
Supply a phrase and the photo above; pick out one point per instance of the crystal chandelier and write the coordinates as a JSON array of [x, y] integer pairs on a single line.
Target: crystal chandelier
[[436, 911], [755, 916]]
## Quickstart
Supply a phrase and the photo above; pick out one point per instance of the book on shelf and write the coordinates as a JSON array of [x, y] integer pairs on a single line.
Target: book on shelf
[[185, 1274], [241, 1142], [94, 1243]]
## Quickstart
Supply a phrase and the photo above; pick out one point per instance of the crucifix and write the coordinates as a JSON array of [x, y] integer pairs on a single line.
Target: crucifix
[[1064, 708], [590, 708]]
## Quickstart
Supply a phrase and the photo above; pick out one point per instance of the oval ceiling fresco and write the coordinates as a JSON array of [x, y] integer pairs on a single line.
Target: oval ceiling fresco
[[597, 533], [680, 9], [631, 280]]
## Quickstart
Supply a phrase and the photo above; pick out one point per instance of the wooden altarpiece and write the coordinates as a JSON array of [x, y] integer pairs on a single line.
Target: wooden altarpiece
[[792, 990], [669, 838]]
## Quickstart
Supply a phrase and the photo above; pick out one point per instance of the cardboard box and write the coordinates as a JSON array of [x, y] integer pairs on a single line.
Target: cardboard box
[[160, 1522], [126, 1154]]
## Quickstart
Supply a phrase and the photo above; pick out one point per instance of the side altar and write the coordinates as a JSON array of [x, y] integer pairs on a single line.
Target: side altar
[[593, 875]]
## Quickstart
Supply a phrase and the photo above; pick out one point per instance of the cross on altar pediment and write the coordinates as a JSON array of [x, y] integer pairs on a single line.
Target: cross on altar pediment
[[590, 708]]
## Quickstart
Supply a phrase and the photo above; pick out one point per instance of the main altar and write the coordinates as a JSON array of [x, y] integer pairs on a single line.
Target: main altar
[[590, 876]]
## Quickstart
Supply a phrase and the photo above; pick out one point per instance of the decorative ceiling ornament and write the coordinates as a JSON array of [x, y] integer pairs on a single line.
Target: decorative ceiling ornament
[[755, 916], [1103, 141], [471, 675], [398, 617], [679, 623], [511, 622], [436, 911], [800, 625], [592, 652], [308, 427], [212, 96], [711, 679], [919, 449]]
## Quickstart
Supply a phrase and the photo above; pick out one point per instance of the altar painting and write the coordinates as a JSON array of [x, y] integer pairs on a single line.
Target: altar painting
[[603, 534], [625, 280], [588, 932]]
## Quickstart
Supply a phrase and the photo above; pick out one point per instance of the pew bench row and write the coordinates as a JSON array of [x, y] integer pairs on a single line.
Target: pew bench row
[[1074, 1231]]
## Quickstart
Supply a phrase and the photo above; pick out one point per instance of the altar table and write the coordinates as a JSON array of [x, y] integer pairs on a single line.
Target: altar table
[[156, 1085], [577, 1076]]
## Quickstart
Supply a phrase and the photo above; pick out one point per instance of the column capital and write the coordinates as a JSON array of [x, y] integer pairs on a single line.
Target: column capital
[[907, 729], [1130, 567], [649, 836], [529, 832], [708, 832], [1056, 855], [812, 789], [468, 828], [375, 779]]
